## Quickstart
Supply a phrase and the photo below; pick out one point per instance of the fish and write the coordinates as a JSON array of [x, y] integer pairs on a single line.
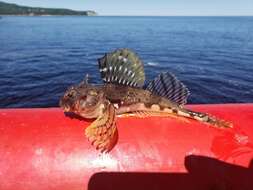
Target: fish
[[124, 92]]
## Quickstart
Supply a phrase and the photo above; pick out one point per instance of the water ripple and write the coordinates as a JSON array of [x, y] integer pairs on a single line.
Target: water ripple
[[212, 56]]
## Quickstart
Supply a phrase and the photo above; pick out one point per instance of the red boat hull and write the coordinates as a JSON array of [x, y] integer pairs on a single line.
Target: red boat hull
[[46, 149]]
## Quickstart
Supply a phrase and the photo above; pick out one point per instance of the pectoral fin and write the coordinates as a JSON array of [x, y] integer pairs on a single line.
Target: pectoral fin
[[103, 132]]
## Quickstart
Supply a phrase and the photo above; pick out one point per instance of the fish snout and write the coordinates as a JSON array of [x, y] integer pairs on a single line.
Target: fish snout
[[65, 104]]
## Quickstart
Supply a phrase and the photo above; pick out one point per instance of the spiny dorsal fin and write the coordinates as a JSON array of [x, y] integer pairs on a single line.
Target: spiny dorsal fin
[[168, 86], [85, 81], [122, 67]]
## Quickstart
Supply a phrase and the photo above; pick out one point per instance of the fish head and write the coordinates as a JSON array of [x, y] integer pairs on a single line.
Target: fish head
[[84, 100]]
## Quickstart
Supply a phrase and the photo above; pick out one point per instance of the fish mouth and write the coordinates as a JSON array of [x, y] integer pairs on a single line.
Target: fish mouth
[[66, 109], [65, 106]]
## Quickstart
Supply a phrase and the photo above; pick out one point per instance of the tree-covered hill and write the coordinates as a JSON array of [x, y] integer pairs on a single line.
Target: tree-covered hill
[[13, 9]]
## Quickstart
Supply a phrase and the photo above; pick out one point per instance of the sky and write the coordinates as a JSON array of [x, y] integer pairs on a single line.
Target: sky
[[151, 7]]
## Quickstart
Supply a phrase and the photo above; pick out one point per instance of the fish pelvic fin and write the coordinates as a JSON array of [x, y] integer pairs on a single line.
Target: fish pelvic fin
[[168, 86], [122, 67], [102, 133]]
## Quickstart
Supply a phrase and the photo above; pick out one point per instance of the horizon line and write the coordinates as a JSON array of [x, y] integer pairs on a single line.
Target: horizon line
[[144, 15], [179, 15], [131, 15]]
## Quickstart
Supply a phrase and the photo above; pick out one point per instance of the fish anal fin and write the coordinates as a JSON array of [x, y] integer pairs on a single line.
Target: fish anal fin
[[126, 115], [219, 123], [102, 133], [145, 114]]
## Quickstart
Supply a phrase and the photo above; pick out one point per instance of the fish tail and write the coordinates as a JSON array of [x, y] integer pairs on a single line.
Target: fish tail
[[205, 118]]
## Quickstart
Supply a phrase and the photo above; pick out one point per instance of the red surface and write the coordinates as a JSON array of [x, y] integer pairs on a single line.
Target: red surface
[[45, 149]]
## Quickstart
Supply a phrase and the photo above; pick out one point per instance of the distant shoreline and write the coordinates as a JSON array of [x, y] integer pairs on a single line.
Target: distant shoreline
[[176, 15], [42, 15], [10, 9], [125, 15]]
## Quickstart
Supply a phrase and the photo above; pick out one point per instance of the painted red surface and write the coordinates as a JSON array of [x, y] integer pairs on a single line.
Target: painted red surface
[[45, 149]]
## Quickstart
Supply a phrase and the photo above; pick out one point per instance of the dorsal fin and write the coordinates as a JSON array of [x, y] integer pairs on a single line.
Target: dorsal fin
[[85, 81], [168, 86], [122, 67]]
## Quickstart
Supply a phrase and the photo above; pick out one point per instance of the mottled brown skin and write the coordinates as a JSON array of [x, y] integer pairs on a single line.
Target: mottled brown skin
[[86, 101], [126, 96], [120, 70], [80, 98], [104, 102]]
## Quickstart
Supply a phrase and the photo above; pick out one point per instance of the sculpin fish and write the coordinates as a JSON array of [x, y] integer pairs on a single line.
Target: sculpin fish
[[123, 93]]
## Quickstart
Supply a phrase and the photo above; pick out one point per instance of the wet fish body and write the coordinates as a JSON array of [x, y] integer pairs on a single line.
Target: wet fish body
[[129, 99], [123, 92]]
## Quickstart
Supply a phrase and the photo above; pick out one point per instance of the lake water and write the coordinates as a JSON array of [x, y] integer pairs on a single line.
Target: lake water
[[41, 56]]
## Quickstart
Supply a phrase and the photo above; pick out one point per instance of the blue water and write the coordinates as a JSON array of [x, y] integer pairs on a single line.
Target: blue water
[[41, 56]]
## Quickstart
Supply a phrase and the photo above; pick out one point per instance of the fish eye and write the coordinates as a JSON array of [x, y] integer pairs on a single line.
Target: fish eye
[[84, 97], [93, 93]]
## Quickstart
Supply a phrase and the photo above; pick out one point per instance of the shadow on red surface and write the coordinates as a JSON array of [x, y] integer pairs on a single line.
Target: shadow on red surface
[[203, 173]]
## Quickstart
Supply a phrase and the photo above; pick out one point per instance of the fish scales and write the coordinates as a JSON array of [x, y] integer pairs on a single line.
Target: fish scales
[[128, 96]]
